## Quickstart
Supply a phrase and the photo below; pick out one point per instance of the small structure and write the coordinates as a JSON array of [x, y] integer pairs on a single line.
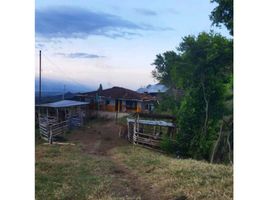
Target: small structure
[[118, 99], [153, 89], [150, 132], [158, 90], [57, 117]]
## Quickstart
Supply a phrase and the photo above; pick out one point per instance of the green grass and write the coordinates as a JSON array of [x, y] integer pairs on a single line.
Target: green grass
[[38, 139], [122, 120], [173, 177], [64, 172]]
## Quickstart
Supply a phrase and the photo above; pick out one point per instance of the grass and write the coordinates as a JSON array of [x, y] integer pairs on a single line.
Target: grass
[[122, 120], [64, 172], [172, 178]]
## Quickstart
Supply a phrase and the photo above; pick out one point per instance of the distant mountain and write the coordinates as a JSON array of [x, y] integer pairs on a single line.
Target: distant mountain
[[55, 87], [53, 98], [52, 90]]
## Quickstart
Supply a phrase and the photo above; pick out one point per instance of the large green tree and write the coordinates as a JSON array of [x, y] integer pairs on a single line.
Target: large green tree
[[202, 67], [223, 14]]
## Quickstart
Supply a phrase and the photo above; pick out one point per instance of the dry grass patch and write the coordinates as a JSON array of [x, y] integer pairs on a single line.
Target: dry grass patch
[[172, 178]]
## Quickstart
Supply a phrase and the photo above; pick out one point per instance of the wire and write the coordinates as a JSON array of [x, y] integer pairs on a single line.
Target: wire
[[74, 81]]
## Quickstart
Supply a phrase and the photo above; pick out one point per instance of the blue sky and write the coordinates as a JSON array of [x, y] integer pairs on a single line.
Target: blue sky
[[113, 42]]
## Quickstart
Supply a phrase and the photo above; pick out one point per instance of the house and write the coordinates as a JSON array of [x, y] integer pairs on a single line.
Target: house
[[118, 99], [158, 89], [153, 89]]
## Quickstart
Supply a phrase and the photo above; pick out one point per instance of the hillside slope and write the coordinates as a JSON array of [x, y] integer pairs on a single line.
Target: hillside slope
[[103, 166]]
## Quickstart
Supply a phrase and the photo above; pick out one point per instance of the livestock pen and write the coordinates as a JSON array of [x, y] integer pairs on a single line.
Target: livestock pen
[[150, 130], [57, 117]]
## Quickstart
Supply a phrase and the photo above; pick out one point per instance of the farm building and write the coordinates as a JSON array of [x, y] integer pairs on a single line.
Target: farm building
[[57, 117], [149, 130], [158, 90], [118, 99], [153, 89]]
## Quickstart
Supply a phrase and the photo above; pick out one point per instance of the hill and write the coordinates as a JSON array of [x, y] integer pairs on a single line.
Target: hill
[[100, 165]]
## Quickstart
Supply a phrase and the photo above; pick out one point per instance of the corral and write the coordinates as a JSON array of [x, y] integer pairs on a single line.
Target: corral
[[57, 117], [150, 130]]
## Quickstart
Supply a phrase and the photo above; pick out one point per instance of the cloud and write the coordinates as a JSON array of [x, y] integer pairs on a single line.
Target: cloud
[[146, 12], [74, 22], [173, 11], [39, 46], [79, 55]]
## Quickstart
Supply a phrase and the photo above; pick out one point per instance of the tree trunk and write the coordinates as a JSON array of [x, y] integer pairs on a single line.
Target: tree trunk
[[229, 148], [216, 144], [206, 110]]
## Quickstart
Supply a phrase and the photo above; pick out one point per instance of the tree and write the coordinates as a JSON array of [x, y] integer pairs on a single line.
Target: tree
[[100, 87], [223, 14], [164, 64], [202, 67]]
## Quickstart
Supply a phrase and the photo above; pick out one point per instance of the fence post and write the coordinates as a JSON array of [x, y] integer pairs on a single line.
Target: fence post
[[50, 136]]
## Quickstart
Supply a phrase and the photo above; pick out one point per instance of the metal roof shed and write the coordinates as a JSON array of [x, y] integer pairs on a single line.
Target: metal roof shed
[[55, 118], [63, 104], [150, 133]]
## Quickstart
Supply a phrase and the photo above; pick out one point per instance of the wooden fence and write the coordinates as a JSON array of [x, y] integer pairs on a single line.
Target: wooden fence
[[75, 121], [149, 133], [50, 128], [147, 140]]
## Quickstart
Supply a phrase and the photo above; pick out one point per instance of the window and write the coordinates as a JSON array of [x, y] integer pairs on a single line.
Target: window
[[107, 102], [149, 107], [131, 105]]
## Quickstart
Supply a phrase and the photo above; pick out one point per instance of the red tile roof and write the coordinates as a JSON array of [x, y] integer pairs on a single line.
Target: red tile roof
[[121, 93]]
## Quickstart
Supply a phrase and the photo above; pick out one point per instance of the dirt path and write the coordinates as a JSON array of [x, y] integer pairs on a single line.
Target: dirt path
[[98, 139]]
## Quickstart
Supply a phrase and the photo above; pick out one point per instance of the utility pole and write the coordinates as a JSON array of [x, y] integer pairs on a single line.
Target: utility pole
[[40, 94], [63, 92]]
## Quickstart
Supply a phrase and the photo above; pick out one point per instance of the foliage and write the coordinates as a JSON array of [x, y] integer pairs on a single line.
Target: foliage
[[167, 104], [223, 14], [168, 145], [202, 67]]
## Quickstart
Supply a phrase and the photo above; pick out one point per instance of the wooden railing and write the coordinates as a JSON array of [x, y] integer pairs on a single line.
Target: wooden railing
[[49, 130], [150, 133]]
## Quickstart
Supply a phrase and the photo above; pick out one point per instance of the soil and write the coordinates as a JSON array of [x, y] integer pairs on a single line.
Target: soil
[[98, 139]]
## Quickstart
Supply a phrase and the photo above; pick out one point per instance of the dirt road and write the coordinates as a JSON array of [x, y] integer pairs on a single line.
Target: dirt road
[[98, 139]]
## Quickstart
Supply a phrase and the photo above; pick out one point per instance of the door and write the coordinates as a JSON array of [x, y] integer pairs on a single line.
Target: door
[[118, 105]]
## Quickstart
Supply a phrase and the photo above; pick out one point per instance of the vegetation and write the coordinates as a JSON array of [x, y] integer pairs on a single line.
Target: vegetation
[[202, 67], [168, 145], [176, 178], [63, 172], [223, 14], [66, 172]]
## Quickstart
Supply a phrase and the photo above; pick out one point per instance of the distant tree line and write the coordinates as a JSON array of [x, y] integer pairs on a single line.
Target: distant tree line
[[202, 67]]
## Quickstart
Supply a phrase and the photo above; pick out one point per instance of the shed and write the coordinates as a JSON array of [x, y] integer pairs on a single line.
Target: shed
[[57, 117], [150, 131]]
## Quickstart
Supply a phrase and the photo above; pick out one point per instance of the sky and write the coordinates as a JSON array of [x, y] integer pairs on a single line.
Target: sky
[[88, 42]]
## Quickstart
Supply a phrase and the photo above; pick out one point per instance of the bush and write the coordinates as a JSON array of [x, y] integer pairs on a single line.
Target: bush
[[169, 146]]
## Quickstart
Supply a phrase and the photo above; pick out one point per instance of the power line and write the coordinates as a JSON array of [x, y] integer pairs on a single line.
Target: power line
[[63, 72], [74, 81]]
